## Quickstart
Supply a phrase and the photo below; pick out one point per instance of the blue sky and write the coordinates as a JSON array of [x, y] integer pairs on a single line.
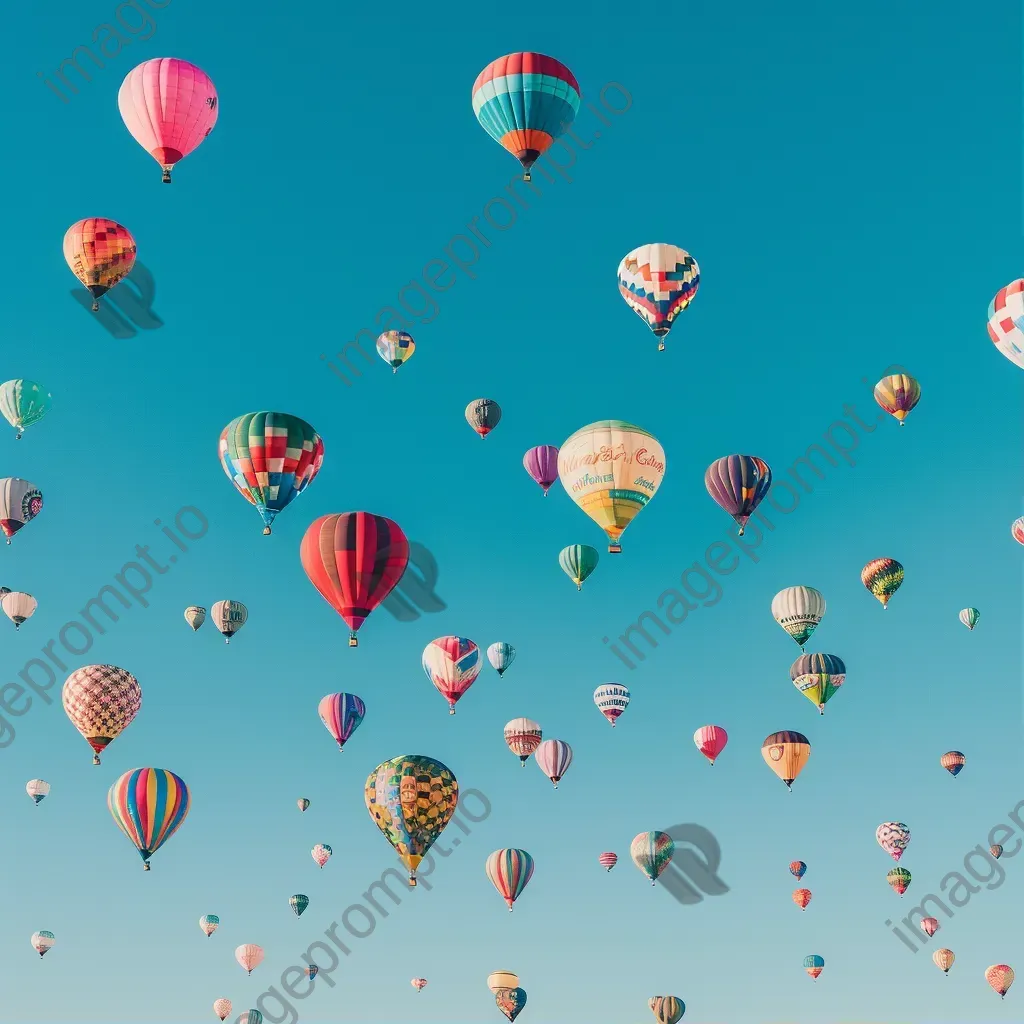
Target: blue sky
[[849, 181]]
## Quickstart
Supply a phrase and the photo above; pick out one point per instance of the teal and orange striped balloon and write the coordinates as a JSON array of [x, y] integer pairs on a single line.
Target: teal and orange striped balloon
[[667, 1009], [148, 805]]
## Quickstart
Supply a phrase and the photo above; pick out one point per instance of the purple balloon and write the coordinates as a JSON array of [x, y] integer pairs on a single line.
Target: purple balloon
[[542, 464], [738, 483]]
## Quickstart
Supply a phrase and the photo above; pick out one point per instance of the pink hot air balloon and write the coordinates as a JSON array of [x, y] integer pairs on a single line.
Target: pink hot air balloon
[[169, 106], [222, 1007], [249, 956], [542, 464], [321, 853], [553, 757], [711, 741], [929, 925], [341, 714], [608, 860], [418, 983]]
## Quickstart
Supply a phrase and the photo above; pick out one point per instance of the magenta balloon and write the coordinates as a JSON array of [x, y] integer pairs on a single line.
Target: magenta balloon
[[542, 464]]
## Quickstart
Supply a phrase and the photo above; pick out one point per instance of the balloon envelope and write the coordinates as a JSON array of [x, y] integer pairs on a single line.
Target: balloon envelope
[[553, 757], [341, 714], [882, 577], [101, 701], [228, 617], [100, 253], [502, 979], [249, 956], [897, 395], [611, 700], [786, 753], [818, 677], [20, 503], [969, 617], [298, 903], [510, 1001], [452, 664], [1006, 322], [738, 483], [710, 741], [658, 281], [195, 616], [953, 761], [38, 790], [501, 655], [23, 402], [943, 959], [523, 736], [42, 941], [578, 561], [667, 1009], [18, 607], [395, 347], [510, 872], [148, 805], [893, 837], [1000, 977], [608, 860], [799, 611], [222, 1007], [209, 923], [483, 415], [542, 465], [652, 852]]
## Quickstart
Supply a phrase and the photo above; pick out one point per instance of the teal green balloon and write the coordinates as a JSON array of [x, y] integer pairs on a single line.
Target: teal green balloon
[[578, 561], [23, 402], [298, 903]]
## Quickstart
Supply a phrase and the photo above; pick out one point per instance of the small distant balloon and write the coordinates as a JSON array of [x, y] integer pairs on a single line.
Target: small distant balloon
[[209, 923], [502, 979], [222, 1007], [897, 395], [510, 872], [893, 837], [18, 607], [542, 465], [882, 577], [652, 852], [395, 347], [452, 664], [501, 655], [969, 617], [578, 561], [298, 903], [523, 736], [42, 942], [710, 740], [786, 753], [249, 956], [611, 699], [943, 959], [996, 851], [818, 677], [419, 984], [801, 897], [1006, 322], [608, 860], [23, 402], [930, 925], [953, 761], [1000, 977], [483, 415], [38, 790], [658, 281], [229, 617], [899, 880], [303, 803], [1017, 530], [195, 616], [799, 611], [738, 484], [100, 253], [341, 714], [814, 965], [667, 1009], [321, 853], [798, 869]]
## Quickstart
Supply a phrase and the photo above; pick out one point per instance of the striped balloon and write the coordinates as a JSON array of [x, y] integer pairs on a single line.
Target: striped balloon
[[799, 611], [738, 483], [969, 617], [542, 465], [953, 761], [943, 959], [897, 395], [578, 561], [525, 101], [148, 805], [667, 1009], [818, 677], [20, 503], [608, 860], [24, 402], [710, 741], [341, 714], [510, 872], [883, 577], [452, 664], [899, 880], [651, 853], [553, 757]]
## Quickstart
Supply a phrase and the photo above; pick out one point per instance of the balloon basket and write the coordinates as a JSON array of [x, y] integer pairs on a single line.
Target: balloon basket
[[166, 178], [614, 549], [661, 346], [353, 641], [145, 867]]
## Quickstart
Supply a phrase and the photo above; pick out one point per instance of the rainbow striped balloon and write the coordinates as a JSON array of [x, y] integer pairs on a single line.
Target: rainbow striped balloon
[[148, 805], [509, 871]]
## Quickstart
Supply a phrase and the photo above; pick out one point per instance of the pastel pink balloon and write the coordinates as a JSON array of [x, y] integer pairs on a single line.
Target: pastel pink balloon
[[711, 741], [169, 106]]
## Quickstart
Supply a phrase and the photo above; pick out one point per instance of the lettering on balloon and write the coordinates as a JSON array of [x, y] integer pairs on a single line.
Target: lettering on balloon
[[647, 485], [646, 459]]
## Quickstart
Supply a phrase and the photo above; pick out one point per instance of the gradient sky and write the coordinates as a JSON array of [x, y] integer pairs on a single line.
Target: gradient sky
[[849, 181]]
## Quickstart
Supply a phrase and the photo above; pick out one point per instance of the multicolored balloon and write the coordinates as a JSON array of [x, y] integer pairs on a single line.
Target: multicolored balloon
[[354, 560], [897, 395], [38, 790], [801, 897], [1006, 321], [652, 852], [501, 655], [608, 860], [542, 465], [169, 106], [667, 1009], [298, 903], [553, 757], [899, 880], [611, 700], [101, 701], [818, 677], [208, 924], [303, 803], [893, 837], [419, 984], [395, 347], [228, 618], [523, 736], [148, 805], [738, 483], [710, 740], [321, 854], [341, 714], [578, 561], [1016, 530], [222, 1007], [943, 959], [42, 942], [996, 851], [611, 469], [483, 415], [249, 956], [953, 761], [100, 253], [270, 458], [969, 617], [786, 753], [814, 965], [658, 281], [525, 101], [195, 616], [799, 611], [452, 664], [1000, 977], [498, 980], [254, 1016], [411, 799], [20, 503], [23, 402], [510, 1001], [929, 925], [882, 577], [18, 607], [509, 872], [798, 869]]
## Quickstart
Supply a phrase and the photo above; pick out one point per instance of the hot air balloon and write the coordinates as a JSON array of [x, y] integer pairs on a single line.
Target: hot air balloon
[[148, 805], [42, 941], [510, 1001], [483, 415], [882, 576], [23, 402], [502, 979], [658, 281], [929, 925], [611, 469], [271, 458], [411, 799], [419, 984], [818, 677], [899, 880], [814, 965], [996, 851], [1017, 530], [651, 853], [249, 956], [20, 503], [611, 700], [710, 741], [341, 714], [38, 790], [452, 664], [321, 853], [801, 897], [101, 701], [608, 860], [667, 1009], [893, 837], [354, 560], [18, 607], [786, 753], [228, 617], [798, 869], [1000, 977], [578, 561], [312, 971], [523, 737], [553, 757], [222, 1007], [897, 395], [1006, 322], [799, 611], [169, 106], [525, 101], [209, 923], [943, 959], [395, 347], [969, 617], [542, 465], [250, 1017], [738, 483], [953, 761], [510, 872], [298, 903], [195, 616], [303, 803], [100, 253], [501, 655]]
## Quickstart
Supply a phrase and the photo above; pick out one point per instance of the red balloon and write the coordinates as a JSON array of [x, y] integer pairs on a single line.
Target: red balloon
[[355, 560]]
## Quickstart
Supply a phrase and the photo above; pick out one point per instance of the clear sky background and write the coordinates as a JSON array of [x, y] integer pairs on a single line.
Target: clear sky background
[[849, 181]]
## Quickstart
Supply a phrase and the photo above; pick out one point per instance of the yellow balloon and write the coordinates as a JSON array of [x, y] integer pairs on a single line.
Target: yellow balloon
[[611, 469]]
